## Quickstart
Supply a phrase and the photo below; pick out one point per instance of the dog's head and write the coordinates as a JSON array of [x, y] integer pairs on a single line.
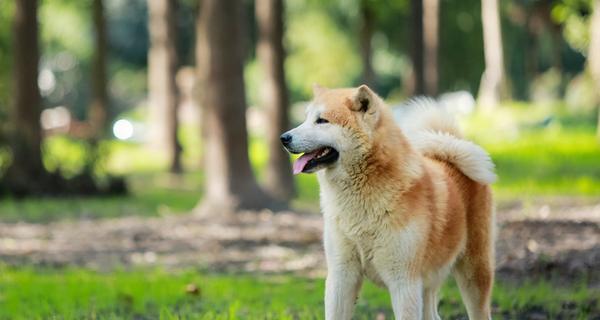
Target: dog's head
[[340, 127]]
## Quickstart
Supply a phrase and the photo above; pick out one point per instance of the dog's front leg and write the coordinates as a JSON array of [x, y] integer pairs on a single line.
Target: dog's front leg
[[407, 299], [341, 292], [343, 275]]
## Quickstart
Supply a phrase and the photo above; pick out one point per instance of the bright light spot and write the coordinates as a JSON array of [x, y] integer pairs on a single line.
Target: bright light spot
[[55, 118], [123, 129], [46, 81]]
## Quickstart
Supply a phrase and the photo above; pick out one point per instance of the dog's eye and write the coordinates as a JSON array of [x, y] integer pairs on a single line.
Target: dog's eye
[[321, 120]]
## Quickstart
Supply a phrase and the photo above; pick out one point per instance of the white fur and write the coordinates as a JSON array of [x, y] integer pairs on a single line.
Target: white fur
[[435, 133]]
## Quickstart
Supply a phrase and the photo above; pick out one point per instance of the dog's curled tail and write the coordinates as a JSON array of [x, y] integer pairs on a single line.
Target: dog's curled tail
[[435, 133]]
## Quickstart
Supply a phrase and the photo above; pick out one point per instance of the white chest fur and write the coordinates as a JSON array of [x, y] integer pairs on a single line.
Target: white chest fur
[[362, 228]]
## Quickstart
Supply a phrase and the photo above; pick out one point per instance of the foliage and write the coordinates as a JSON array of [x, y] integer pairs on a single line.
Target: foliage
[[574, 16], [319, 52]]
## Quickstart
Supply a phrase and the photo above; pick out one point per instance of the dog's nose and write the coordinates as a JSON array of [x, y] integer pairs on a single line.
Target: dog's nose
[[286, 138]]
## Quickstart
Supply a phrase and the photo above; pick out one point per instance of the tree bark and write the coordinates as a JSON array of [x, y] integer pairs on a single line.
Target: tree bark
[[492, 80], [229, 181], [430, 46], [98, 112], [26, 137], [269, 14], [162, 71], [366, 50], [594, 55], [416, 48]]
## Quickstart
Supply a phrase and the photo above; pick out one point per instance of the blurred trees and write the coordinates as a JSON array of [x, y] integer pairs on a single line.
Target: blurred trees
[[26, 169], [333, 42], [229, 182], [490, 88], [269, 14], [162, 87]]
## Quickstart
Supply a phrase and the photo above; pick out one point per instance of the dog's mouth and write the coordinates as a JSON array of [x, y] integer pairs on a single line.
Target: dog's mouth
[[311, 161]]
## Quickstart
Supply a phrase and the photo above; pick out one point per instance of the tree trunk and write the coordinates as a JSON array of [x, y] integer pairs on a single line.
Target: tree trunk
[[492, 80], [416, 48], [162, 70], [229, 181], [430, 45], [594, 55], [366, 50], [26, 135], [98, 112], [269, 15]]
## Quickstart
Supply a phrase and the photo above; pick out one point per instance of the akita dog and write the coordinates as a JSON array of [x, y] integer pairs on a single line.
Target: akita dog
[[404, 205]]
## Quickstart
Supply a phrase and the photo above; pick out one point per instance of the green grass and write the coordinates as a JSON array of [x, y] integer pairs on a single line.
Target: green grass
[[30, 293]]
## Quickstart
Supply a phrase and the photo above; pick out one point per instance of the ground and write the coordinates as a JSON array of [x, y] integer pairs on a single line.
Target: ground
[[272, 252]]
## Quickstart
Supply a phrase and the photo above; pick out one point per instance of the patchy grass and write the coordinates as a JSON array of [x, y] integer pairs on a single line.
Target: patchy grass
[[152, 294]]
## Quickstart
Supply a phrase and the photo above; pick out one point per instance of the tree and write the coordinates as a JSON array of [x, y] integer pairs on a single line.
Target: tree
[[26, 137], [229, 182], [430, 46], [424, 47], [162, 70], [492, 80], [416, 47], [366, 37], [98, 112], [269, 14], [594, 54]]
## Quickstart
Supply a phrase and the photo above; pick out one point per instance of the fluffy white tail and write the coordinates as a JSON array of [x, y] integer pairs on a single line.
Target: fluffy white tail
[[435, 133]]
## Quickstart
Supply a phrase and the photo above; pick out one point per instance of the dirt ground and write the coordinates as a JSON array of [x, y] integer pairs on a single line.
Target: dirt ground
[[560, 241]]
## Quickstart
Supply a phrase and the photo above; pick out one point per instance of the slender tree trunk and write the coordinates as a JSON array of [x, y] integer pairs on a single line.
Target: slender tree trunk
[[270, 51], [594, 55], [492, 80], [26, 137], [162, 70], [416, 48], [229, 181], [98, 112], [430, 45], [366, 50]]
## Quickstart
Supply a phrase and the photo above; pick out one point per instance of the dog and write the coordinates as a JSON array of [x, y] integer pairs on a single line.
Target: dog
[[404, 205]]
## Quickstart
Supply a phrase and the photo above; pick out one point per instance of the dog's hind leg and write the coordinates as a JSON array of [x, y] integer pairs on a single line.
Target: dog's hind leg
[[474, 271], [475, 283]]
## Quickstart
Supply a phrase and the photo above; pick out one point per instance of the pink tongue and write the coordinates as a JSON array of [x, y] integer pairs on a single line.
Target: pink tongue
[[303, 160]]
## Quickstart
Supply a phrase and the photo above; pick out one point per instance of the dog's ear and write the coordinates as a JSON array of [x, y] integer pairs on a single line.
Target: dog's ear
[[317, 89], [363, 99]]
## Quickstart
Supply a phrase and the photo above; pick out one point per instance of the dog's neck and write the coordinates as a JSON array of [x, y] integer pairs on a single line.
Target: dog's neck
[[387, 165]]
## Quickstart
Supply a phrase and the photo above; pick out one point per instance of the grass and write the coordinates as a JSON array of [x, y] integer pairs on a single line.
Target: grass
[[533, 161], [30, 293]]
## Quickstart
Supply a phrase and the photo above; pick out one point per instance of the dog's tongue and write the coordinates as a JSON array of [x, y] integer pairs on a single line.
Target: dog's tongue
[[303, 160]]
